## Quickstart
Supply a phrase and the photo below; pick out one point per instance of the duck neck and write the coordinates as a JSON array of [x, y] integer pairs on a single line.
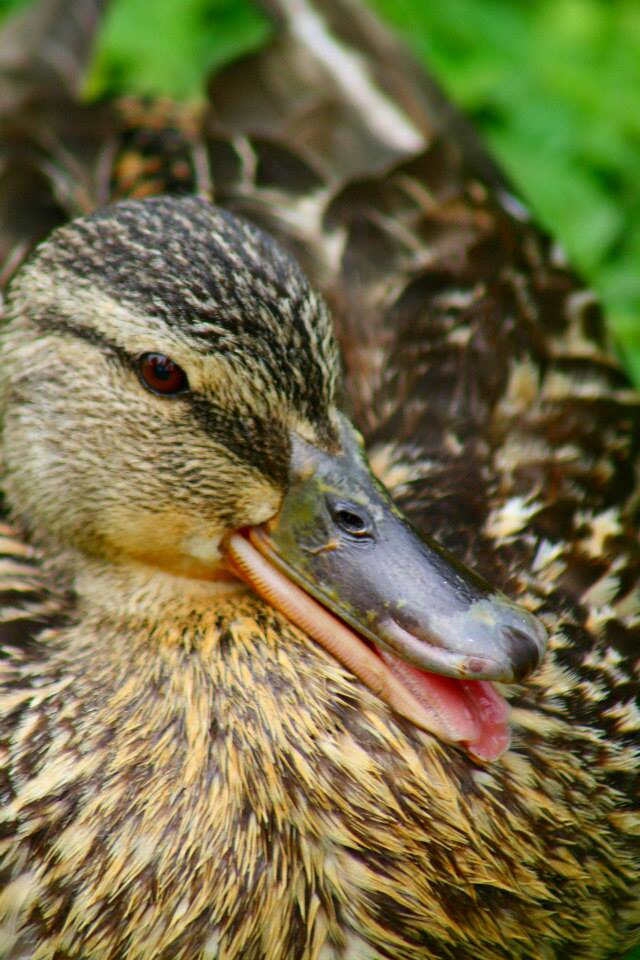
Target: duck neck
[[138, 592]]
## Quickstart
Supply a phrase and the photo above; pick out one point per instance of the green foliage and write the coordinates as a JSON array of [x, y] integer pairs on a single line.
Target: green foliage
[[6, 6], [554, 86], [170, 47]]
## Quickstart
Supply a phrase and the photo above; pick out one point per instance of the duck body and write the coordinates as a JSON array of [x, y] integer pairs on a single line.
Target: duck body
[[185, 773], [175, 815]]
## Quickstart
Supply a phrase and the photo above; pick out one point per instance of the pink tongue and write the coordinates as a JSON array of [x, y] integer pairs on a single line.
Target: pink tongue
[[471, 711]]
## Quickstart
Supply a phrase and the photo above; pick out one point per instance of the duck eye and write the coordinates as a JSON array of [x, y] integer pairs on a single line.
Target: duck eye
[[161, 375]]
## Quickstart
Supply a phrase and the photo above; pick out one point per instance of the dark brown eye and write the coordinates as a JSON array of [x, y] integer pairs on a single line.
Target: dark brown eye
[[161, 375]]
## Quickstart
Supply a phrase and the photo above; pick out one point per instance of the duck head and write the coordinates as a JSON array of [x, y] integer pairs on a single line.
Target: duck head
[[169, 384]]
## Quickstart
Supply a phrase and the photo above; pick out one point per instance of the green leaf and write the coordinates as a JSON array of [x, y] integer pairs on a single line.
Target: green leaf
[[170, 51]]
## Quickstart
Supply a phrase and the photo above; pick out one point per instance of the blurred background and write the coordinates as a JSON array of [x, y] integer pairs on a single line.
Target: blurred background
[[554, 86]]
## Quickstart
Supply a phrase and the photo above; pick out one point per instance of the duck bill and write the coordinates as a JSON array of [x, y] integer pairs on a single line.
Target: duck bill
[[420, 629]]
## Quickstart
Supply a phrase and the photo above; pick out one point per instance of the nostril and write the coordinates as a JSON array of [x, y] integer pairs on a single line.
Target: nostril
[[351, 518], [350, 521], [524, 651]]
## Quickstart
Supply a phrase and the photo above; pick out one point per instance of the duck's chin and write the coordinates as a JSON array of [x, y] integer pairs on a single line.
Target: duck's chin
[[468, 713]]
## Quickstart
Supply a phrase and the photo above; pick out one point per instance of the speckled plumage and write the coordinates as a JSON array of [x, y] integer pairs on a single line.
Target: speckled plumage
[[183, 778]]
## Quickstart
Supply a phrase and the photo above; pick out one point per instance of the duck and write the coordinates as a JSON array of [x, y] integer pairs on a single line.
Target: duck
[[266, 695]]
